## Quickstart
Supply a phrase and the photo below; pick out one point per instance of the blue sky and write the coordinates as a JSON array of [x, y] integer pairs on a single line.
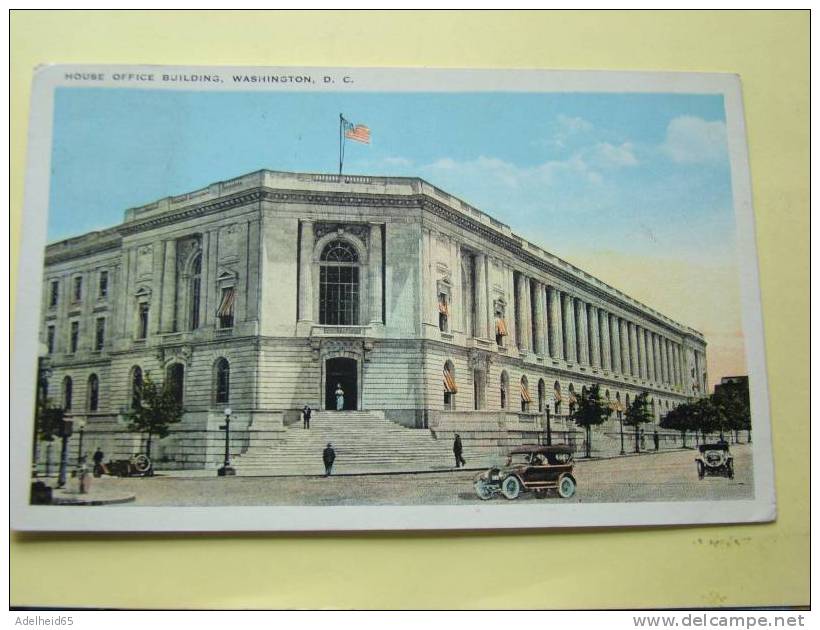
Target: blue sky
[[632, 173]]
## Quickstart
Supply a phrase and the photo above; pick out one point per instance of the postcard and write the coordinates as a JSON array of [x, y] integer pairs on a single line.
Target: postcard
[[386, 299]]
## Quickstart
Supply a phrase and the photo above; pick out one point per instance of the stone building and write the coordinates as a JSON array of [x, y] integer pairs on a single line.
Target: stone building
[[272, 290]]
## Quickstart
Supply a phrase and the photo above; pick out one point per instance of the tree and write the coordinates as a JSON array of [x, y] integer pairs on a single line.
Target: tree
[[707, 418], [591, 410], [637, 414], [732, 403], [48, 421], [681, 418], [155, 409]]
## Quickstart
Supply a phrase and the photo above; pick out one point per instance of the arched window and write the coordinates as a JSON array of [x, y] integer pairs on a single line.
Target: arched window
[[505, 383], [136, 386], [223, 381], [93, 392], [654, 417], [175, 377], [573, 400], [68, 392], [450, 388], [195, 291], [557, 395], [526, 399], [626, 403], [339, 284], [542, 395]]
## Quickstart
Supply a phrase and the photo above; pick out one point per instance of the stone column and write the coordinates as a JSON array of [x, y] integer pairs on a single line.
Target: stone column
[[556, 325], [595, 336], [375, 274], [678, 366], [306, 243], [569, 329], [633, 350], [642, 352], [664, 361], [606, 347], [656, 346], [510, 313], [523, 329], [615, 340], [169, 288], [625, 358], [481, 329], [650, 356], [582, 329], [540, 327], [671, 361]]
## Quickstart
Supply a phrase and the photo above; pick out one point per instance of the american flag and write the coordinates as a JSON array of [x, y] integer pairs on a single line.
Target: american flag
[[359, 133]]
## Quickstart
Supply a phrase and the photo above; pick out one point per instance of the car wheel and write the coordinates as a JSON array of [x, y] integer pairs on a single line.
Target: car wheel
[[701, 470], [511, 487], [482, 489], [566, 487]]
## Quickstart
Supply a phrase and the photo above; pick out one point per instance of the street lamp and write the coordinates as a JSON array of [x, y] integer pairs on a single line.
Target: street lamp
[[621, 420], [65, 430], [80, 454], [227, 470]]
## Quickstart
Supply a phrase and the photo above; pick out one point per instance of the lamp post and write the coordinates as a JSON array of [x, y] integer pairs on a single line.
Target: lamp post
[[227, 470], [64, 433], [621, 420], [80, 454]]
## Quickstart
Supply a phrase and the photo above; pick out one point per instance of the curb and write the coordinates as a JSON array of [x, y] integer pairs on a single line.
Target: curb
[[112, 501]]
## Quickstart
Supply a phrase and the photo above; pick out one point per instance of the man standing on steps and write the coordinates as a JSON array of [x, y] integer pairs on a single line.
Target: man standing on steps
[[328, 457], [306, 411], [457, 448]]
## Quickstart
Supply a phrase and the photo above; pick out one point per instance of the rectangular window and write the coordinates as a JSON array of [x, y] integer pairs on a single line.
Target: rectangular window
[[339, 296], [55, 294], [103, 285], [226, 304], [142, 325], [443, 312], [50, 339], [77, 294], [75, 337], [99, 334]]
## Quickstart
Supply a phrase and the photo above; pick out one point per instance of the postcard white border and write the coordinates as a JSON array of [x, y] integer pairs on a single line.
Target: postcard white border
[[342, 518]]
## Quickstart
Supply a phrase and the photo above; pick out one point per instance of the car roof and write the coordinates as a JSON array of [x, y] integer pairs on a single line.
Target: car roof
[[523, 450]]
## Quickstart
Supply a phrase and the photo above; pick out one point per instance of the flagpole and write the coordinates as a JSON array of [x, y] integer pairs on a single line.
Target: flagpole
[[341, 143]]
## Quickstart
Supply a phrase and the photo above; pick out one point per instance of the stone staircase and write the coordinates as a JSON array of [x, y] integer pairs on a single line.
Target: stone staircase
[[364, 441]]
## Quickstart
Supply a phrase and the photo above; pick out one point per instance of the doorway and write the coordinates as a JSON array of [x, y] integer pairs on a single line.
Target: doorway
[[345, 373]]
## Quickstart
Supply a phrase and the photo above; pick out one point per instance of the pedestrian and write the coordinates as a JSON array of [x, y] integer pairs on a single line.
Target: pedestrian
[[656, 439], [340, 397], [306, 416], [328, 457], [457, 449], [99, 467], [643, 440]]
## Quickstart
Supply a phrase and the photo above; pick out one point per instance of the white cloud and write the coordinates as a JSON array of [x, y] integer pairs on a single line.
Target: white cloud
[[610, 155], [691, 140], [397, 161], [573, 124]]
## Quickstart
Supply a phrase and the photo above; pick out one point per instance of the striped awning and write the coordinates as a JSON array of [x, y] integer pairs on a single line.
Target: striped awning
[[572, 398], [449, 383], [557, 394], [443, 308], [500, 327], [616, 405], [226, 307], [525, 393]]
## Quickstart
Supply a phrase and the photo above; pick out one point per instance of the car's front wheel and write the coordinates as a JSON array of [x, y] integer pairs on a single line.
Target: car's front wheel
[[511, 487], [566, 487], [482, 489]]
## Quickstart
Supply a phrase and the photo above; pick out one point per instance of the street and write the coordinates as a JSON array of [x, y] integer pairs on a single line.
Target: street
[[667, 476]]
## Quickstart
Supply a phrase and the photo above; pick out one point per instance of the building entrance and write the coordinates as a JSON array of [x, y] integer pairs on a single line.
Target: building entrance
[[341, 373]]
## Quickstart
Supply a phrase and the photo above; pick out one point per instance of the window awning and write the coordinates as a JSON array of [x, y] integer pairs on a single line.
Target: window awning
[[500, 327], [226, 307], [449, 383], [443, 308], [557, 394], [525, 393], [616, 405], [572, 398]]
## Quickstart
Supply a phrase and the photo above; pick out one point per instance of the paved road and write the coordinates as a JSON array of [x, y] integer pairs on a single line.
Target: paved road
[[662, 477]]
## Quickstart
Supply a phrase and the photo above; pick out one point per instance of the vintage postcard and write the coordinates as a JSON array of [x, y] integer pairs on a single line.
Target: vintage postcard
[[349, 298]]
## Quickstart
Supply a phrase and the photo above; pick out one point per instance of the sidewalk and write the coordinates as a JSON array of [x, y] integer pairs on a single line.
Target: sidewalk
[[98, 493]]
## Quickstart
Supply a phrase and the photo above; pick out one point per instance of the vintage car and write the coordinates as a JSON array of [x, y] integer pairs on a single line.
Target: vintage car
[[715, 460], [137, 466], [529, 469]]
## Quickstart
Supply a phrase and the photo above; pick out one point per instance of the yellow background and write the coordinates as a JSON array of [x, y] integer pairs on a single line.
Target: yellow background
[[686, 566]]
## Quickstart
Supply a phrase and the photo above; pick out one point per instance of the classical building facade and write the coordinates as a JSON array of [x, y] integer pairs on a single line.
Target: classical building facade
[[275, 290]]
